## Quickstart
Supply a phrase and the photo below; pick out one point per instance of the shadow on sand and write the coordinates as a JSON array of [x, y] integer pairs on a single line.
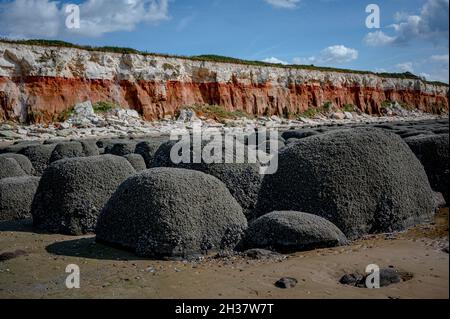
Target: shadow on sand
[[23, 226], [90, 249]]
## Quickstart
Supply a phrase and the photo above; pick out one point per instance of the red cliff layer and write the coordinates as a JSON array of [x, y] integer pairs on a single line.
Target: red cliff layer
[[43, 98]]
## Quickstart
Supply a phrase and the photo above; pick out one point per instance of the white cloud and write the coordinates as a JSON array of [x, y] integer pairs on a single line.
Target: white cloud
[[378, 38], [405, 67], [30, 18], [284, 4], [431, 24], [275, 61], [46, 18], [440, 58], [336, 54], [104, 16]]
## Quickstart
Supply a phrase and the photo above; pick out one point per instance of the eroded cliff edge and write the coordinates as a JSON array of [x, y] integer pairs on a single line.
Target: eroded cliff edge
[[37, 83]]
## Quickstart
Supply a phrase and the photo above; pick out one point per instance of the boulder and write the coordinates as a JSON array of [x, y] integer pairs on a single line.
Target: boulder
[[121, 148], [18, 146], [243, 180], [362, 180], [288, 232], [137, 161], [433, 153], [66, 150], [147, 150], [22, 160], [9, 167], [16, 196], [39, 156], [73, 191], [170, 212], [298, 134]]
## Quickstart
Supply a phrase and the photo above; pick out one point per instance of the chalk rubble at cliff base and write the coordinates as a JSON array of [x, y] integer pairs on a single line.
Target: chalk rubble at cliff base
[[84, 123], [334, 182]]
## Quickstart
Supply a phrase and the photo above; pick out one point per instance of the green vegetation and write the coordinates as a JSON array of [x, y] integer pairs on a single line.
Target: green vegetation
[[327, 106], [213, 58], [104, 106], [217, 112], [310, 113], [35, 116], [348, 108], [385, 104], [64, 115]]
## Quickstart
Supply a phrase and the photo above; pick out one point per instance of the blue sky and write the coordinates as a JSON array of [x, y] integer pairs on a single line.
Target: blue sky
[[413, 34]]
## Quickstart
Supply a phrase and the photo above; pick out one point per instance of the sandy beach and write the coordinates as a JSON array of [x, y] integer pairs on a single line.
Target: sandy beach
[[111, 273]]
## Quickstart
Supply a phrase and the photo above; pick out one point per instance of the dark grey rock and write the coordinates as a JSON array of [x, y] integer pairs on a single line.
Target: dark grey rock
[[16, 196], [433, 153], [286, 283], [39, 156], [243, 180], [22, 160], [18, 146], [362, 180], [147, 150], [388, 276], [121, 148], [9, 167], [288, 232], [137, 161], [170, 212], [73, 191], [161, 158], [298, 134], [352, 279], [73, 149], [66, 150], [12, 255], [260, 254]]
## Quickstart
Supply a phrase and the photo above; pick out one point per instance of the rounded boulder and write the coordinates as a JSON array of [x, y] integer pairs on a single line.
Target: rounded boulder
[[171, 212], [288, 232], [39, 155], [23, 162], [433, 153], [73, 191], [362, 180], [9, 167]]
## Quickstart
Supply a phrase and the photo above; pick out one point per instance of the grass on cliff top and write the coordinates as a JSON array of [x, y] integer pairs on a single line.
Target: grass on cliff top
[[214, 58]]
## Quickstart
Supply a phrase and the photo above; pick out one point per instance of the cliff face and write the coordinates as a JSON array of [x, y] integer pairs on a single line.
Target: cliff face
[[39, 83]]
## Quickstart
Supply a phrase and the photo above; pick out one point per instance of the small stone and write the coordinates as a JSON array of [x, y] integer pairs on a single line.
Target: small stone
[[11, 255], [338, 116], [84, 109], [187, 115], [286, 283], [261, 254], [351, 279], [348, 116]]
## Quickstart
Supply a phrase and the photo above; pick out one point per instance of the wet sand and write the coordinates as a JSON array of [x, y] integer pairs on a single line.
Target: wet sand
[[112, 273]]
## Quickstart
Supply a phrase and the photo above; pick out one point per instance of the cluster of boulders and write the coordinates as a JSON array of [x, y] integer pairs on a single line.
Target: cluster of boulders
[[334, 183]]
